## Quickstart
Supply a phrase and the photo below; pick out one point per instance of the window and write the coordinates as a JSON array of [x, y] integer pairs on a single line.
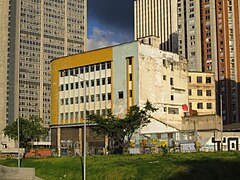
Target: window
[[171, 81], [209, 105], [189, 92], [81, 99], [199, 92], [109, 96], [92, 68], [62, 101], [76, 85], [98, 82], [189, 79], [71, 85], [76, 70], [61, 87], [76, 115], [200, 105], [71, 100], [97, 67], [130, 93], [208, 92], [92, 98], [109, 80], [86, 69], [108, 65], [164, 109], [130, 77], [103, 66], [81, 70], [66, 86], [164, 63], [173, 110], [103, 81], [71, 72], [208, 79], [171, 66], [120, 94], [199, 79], [130, 60], [76, 100], [164, 77], [172, 97], [92, 82], [103, 97], [190, 105]]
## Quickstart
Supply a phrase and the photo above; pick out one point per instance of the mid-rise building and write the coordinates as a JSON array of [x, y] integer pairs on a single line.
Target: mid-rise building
[[209, 39], [201, 91], [32, 34], [116, 78], [157, 18]]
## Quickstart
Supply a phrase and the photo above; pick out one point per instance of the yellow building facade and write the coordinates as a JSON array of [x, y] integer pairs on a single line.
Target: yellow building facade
[[201, 91]]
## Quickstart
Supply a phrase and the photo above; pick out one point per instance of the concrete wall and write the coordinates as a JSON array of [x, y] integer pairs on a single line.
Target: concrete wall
[[11, 173], [205, 122], [120, 55], [156, 69]]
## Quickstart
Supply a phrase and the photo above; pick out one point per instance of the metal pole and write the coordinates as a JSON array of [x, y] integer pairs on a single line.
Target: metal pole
[[18, 143], [84, 128], [221, 124], [85, 135]]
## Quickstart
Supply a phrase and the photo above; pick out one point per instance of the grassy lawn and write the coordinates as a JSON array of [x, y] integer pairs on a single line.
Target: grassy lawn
[[202, 166]]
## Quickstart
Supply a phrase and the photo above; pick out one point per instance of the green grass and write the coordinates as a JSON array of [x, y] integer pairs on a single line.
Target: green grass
[[204, 166]]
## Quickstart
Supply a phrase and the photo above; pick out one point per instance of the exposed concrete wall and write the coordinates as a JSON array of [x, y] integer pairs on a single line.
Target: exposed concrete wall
[[11, 173], [156, 71], [157, 127], [206, 122]]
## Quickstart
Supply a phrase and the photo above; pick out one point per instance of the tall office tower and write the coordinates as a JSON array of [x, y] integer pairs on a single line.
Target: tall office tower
[[209, 39], [157, 18], [33, 32]]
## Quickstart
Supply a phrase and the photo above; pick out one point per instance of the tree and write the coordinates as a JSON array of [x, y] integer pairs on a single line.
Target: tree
[[122, 129], [29, 130]]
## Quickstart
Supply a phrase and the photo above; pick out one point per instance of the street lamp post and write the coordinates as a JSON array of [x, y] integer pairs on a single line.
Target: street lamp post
[[85, 128], [18, 142]]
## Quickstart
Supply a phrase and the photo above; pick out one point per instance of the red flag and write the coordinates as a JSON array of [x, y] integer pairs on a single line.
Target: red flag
[[185, 107]]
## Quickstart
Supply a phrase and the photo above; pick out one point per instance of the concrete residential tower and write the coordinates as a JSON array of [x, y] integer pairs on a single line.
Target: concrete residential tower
[[33, 33], [209, 39], [157, 18]]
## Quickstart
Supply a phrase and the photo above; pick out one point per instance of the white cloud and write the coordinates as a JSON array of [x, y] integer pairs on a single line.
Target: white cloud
[[100, 38]]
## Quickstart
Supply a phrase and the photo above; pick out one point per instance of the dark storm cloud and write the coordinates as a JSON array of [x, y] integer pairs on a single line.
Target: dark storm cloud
[[114, 14]]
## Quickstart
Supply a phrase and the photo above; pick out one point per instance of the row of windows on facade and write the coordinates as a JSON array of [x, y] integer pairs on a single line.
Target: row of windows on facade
[[86, 69], [200, 92], [81, 114], [92, 98], [88, 82], [200, 105], [80, 99], [200, 79]]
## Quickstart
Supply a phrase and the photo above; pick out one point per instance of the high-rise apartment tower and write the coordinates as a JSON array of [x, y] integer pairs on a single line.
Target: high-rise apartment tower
[[157, 18], [33, 32], [209, 32]]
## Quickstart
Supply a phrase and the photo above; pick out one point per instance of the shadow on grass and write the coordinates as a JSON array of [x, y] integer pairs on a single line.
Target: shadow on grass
[[82, 167], [208, 169]]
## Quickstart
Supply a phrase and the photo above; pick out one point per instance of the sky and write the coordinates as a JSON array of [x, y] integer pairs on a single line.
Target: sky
[[109, 22]]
